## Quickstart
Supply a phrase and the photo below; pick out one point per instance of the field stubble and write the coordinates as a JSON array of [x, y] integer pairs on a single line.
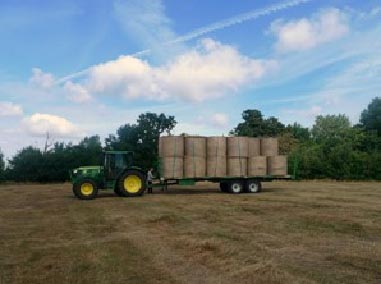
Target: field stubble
[[292, 232]]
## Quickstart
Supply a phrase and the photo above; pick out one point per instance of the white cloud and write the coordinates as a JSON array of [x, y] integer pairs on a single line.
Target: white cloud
[[209, 71], [39, 124], [76, 92], [41, 79], [10, 109], [303, 34], [220, 120]]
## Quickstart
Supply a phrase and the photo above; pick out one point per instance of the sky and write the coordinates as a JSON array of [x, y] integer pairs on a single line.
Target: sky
[[77, 68]]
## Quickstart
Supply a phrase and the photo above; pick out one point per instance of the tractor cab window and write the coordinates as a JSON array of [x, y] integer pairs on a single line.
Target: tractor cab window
[[116, 163]]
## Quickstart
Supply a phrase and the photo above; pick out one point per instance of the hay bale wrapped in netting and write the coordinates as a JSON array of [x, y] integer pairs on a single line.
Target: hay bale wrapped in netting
[[216, 156], [195, 146], [194, 167], [216, 146], [269, 146], [237, 166], [216, 166], [257, 166], [238, 146], [172, 167], [195, 157], [277, 165], [171, 146], [254, 146]]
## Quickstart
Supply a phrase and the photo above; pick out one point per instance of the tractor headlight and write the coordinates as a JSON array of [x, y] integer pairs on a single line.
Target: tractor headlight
[[75, 172]]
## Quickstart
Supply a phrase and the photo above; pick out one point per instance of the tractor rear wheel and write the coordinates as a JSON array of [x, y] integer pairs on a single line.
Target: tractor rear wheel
[[85, 189], [132, 183]]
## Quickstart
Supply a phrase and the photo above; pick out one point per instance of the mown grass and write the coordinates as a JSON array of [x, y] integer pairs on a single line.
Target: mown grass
[[318, 232]]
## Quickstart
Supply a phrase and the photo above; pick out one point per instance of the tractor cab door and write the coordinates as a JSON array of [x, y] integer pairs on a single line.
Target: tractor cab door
[[116, 163]]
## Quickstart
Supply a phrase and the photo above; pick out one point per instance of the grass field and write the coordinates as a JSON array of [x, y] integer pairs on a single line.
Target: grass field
[[292, 232]]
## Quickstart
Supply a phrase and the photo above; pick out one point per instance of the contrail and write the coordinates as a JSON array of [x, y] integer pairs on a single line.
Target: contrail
[[238, 19]]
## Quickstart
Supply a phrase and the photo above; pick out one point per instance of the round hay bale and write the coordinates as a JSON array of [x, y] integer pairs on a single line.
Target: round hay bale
[[257, 166], [195, 146], [216, 166], [238, 146], [172, 167], [171, 146], [216, 146], [194, 167], [254, 147], [277, 165], [269, 146], [237, 167]]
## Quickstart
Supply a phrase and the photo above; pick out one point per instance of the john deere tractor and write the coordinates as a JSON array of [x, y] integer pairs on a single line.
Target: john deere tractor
[[117, 173]]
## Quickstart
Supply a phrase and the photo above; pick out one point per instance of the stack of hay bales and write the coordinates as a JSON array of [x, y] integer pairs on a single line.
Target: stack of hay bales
[[216, 156], [171, 152], [257, 164], [238, 152], [276, 164], [195, 157], [199, 157]]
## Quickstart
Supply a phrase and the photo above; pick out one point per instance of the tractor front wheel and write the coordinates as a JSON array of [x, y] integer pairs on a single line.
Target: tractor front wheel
[[132, 183], [85, 189]]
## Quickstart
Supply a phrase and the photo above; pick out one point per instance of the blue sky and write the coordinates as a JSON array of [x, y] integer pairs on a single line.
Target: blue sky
[[76, 68]]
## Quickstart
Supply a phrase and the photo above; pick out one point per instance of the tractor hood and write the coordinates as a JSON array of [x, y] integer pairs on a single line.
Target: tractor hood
[[87, 171]]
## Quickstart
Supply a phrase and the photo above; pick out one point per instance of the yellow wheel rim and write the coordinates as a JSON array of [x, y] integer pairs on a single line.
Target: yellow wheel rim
[[132, 184], [87, 188]]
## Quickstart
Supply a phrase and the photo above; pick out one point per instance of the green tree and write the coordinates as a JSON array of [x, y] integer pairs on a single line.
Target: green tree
[[142, 138], [298, 131], [338, 145], [254, 125], [27, 165], [2, 166], [371, 117]]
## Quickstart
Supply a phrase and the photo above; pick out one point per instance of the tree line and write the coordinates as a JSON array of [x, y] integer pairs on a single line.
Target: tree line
[[331, 148]]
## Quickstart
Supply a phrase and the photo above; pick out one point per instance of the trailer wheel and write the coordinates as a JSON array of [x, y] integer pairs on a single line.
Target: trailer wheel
[[85, 189], [224, 186], [236, 186], [253, 186], [132, 183]]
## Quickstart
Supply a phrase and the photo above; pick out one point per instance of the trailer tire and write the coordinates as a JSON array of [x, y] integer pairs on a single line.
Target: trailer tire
[[236, 186], [86, 189], [224, 186], [132, 183], [253, 186]]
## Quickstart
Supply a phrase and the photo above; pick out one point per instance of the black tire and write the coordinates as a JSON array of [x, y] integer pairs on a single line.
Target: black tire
[[135, 187], [224, 187], [253, 186], [86, 189], [236, 186], [117, 192]]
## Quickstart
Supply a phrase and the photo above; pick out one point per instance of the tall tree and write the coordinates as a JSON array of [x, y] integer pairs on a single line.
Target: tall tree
[[371, 117], [330, 127], [142, 138], [2, 166], [254, 125]]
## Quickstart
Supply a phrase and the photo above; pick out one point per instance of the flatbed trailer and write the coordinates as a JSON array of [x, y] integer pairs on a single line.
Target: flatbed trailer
[[252, 184]]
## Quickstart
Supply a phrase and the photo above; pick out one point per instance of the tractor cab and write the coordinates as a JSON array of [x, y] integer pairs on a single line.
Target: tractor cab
[[117, 173], [115, 162]]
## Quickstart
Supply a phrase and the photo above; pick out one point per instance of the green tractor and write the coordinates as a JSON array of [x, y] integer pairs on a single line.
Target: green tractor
[[117, 173]]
